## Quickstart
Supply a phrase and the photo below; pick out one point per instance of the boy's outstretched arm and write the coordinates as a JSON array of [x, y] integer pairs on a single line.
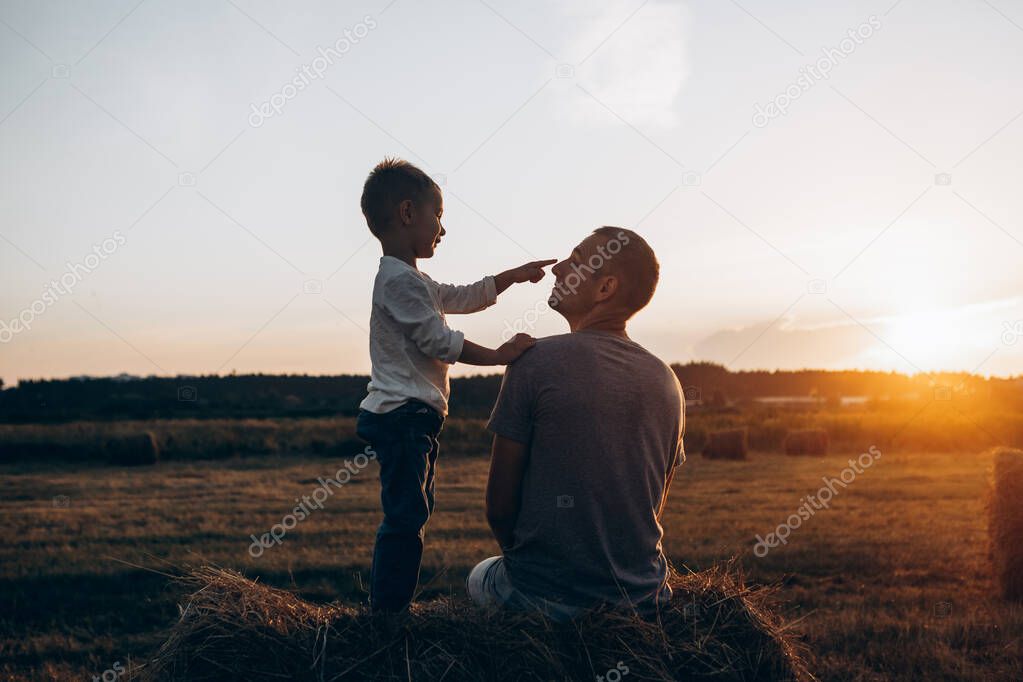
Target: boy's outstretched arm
[[530, 272], [505, 354], [471, 298], [468, 298]]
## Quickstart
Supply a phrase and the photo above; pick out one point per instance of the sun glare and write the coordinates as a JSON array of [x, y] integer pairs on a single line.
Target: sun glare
[[933, 339]]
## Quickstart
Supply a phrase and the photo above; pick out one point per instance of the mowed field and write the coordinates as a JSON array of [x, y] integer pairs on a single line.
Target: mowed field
[[890, 582]]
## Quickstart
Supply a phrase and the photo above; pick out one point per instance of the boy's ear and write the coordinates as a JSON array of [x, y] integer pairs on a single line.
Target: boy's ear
[[405, 212]]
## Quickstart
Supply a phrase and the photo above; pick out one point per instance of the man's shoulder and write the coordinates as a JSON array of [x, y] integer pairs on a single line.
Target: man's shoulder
[[649, 368], [573, 348], [546, 354], [658, 365], [551, 344], [549, 349]]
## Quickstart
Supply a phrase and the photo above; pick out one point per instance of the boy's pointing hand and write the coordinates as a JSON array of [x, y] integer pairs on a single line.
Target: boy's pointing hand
[[530, 272], [533, 271]]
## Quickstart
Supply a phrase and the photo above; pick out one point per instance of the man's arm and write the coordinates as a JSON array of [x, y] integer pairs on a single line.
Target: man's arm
[[504, 487], [664, 497], [678, 459]]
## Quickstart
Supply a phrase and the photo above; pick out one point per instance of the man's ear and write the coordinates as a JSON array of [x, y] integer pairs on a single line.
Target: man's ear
[[406, 212], [607, 287]]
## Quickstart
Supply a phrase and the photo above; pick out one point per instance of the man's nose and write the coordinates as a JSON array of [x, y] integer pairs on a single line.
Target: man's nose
[[443, 231], [558, 268]]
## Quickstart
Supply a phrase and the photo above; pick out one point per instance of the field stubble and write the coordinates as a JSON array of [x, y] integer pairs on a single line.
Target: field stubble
[[890, 582]]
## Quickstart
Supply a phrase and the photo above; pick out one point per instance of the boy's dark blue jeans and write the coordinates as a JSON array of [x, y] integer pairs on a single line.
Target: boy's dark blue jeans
[[405, 442]]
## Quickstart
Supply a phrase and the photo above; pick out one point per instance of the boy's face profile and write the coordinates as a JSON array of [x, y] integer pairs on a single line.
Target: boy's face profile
[[421, 220]]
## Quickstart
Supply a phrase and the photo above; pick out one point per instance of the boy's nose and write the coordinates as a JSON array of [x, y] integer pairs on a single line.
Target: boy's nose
[[558, 268], [443, 231]]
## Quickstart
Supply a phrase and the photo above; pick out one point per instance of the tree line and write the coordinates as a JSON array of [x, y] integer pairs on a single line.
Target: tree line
[[273, 395]]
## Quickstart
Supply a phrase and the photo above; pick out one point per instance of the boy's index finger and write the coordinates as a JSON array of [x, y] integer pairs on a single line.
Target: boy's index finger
[[544, 263]]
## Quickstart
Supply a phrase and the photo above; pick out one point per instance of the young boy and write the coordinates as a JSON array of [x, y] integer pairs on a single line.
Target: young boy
[[411, 347]]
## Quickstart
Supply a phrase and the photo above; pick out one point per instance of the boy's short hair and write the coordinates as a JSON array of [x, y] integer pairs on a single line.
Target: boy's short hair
[[634, 258], [390, 183]]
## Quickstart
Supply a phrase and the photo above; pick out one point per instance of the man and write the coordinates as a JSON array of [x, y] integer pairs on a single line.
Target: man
[[587, 433]]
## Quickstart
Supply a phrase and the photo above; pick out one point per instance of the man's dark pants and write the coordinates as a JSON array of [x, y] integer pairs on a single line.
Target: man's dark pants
[[405, 441]]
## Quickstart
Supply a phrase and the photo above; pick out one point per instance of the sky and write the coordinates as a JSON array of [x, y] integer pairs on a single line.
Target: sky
[[826, 185]]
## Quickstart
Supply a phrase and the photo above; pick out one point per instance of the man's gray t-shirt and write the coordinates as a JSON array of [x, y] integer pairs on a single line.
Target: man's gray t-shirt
[[604, 420]]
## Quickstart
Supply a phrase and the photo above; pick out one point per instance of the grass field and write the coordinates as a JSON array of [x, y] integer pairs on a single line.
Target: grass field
[[890, 582]]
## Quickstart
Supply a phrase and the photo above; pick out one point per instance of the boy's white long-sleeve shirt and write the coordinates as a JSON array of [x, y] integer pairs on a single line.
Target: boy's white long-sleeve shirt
[[410, 343]]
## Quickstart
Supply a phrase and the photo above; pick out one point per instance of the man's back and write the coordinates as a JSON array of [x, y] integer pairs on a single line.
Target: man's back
[[604, 421]]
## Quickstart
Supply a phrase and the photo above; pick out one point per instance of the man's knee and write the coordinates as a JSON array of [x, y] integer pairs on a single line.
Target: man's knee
[[481, 584]]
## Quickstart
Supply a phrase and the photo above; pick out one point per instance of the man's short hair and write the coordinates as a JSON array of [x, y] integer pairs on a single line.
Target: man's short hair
[[631, 257], [390, 183]]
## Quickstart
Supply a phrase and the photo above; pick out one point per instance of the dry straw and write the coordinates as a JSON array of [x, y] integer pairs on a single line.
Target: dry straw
[[1005, 522], [727, 444], [232, 628], [806, 442]]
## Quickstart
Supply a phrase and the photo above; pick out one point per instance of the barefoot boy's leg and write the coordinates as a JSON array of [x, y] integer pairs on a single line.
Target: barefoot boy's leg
[[405, 441]]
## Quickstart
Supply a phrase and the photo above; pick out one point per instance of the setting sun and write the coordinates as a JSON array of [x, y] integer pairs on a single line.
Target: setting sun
[[931, 340]]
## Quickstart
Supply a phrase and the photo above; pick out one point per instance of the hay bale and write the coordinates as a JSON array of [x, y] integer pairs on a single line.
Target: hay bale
[[727, 444], [1005, 523], [133, 450], [232, 628], [806, 442]]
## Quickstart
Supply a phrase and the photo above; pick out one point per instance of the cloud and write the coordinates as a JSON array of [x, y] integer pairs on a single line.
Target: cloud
[[948, 338], [640, 70], [786, 347]]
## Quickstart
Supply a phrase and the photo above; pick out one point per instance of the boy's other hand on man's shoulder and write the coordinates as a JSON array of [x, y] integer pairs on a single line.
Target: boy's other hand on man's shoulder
[[509, 351]]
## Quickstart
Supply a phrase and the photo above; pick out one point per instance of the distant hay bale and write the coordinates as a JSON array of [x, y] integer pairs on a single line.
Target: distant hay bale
[[133, 450], [1005, 523], [232, 628], [806, 442], [727, 444], [44, 448]]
